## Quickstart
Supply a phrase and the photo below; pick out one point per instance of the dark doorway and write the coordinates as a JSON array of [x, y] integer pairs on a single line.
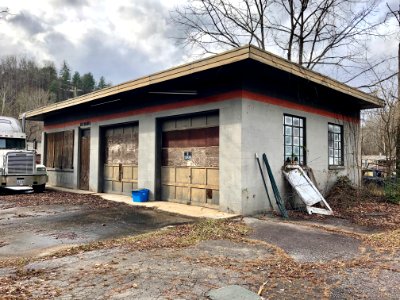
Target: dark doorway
[[84, 164]]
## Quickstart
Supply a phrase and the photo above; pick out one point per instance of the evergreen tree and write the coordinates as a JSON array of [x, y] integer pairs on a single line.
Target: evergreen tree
[[77, 84], [88, 83], [65, 81], [102, 83]]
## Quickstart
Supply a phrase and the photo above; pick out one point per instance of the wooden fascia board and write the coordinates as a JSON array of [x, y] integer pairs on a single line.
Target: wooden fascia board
[[184, 70], [226, 58], [282, 64]]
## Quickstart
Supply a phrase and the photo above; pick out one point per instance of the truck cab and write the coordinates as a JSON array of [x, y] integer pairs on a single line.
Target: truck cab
[[18, 168]]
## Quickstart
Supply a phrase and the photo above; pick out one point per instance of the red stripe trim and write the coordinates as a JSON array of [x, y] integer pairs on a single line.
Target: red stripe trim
[[296, 106], [201, 101]]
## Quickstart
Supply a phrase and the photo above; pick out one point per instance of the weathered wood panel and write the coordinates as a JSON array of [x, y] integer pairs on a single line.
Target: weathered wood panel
[[121, 159], [194, 177], [60, 149], [68, 150], [84, 161], [196, 185], [50, 150]]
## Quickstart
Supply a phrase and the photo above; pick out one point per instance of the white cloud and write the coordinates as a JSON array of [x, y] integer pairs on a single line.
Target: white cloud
[[119, 39]]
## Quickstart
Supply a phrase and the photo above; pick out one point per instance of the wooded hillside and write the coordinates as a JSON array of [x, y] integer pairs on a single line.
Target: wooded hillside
[[26, 85]]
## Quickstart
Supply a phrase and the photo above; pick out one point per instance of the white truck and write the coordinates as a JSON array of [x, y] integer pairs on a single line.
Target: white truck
[[18, 168]]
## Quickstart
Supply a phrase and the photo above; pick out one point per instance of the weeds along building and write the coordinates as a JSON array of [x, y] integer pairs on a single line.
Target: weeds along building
[[189, 134]]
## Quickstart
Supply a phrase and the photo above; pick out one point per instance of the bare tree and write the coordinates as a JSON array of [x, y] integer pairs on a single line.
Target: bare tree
[[214, 24], [309, 32], [393, 13]]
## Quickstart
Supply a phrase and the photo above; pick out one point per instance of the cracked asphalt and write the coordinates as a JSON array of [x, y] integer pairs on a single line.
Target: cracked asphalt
[[293, 260]]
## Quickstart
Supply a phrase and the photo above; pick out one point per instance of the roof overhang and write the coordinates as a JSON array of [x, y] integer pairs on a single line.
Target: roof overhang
[[220, 60]]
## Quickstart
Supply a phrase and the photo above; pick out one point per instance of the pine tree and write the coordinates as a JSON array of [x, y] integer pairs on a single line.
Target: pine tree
[[77, 84], [88, 83]]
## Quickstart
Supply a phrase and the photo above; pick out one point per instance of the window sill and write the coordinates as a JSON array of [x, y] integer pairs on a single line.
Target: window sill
[[60, 170], [336, 167]]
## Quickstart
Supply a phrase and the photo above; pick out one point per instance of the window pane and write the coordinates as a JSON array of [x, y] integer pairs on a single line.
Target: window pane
[[330, 152], [338, 129], [294, 138], [336, 153], [331, 160], [288, 150]]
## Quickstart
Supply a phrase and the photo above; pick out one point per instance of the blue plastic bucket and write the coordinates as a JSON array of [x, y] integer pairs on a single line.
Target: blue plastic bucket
[[141, 195]]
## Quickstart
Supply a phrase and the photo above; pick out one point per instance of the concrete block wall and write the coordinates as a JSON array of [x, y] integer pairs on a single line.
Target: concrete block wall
[[230, 151], [246, 127], [262, 131]]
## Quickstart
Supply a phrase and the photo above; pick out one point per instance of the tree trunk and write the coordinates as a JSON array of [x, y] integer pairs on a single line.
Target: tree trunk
[[398, 117]]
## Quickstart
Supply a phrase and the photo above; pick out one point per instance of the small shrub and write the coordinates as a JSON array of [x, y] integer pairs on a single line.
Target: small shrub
[[392, 190]]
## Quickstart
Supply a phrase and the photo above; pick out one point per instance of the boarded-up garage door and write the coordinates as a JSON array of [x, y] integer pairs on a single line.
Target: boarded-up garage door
[[121, 159], [190, 160]]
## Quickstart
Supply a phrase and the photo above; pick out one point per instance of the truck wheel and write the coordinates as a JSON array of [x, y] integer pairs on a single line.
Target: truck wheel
[[39, 188]]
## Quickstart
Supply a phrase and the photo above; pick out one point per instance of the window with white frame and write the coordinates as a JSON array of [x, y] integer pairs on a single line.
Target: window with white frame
[[294, 138], [335, 144]]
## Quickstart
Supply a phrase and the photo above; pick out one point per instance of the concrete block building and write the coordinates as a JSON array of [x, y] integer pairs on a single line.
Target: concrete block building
[[189, 134]]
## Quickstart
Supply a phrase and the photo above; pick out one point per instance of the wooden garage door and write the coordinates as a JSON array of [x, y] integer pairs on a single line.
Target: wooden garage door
[[121, 159], [190, 160]]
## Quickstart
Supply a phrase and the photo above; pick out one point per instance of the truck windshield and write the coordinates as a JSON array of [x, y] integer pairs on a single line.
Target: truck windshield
[[12, 143]]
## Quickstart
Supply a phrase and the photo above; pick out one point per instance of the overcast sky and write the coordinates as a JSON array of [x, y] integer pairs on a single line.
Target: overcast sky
[[120, 39]]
